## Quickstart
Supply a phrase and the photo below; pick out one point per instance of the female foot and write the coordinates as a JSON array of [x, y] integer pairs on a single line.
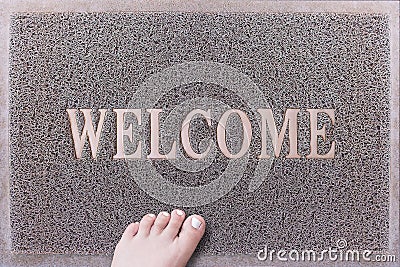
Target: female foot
[[165, 240]]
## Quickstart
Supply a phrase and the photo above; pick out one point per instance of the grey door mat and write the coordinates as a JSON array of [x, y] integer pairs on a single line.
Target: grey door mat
[[60, 61]]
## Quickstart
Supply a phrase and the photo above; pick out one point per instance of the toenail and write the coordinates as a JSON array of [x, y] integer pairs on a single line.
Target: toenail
[[196, 223], [179, 212], [166, 214], [136, 222], [151, 215]]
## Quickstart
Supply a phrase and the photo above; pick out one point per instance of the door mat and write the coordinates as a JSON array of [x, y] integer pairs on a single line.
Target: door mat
[[273, 127]]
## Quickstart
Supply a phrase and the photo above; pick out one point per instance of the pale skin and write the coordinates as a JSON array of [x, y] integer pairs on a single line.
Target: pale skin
[[162, 240]]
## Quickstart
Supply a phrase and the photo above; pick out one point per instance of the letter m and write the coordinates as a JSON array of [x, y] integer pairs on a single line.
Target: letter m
[[87, 131]]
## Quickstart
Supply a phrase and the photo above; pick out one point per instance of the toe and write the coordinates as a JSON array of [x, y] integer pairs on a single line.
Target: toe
[[145, 224], [175, 224], [192, 231], [130, 231], [160, 223]]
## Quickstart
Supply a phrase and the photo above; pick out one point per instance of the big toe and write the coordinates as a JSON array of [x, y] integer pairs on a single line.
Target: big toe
[[192, 231]]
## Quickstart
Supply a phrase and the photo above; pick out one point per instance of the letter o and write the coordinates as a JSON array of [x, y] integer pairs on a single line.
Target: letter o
[[221, 134]]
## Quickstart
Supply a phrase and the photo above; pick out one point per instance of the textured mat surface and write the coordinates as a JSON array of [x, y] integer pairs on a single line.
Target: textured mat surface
[[332, 61]]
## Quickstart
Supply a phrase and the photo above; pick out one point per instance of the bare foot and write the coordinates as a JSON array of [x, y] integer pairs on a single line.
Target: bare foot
[[161, 241]]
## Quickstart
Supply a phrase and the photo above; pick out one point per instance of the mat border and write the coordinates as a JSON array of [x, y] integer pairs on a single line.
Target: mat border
[[7, 7]]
